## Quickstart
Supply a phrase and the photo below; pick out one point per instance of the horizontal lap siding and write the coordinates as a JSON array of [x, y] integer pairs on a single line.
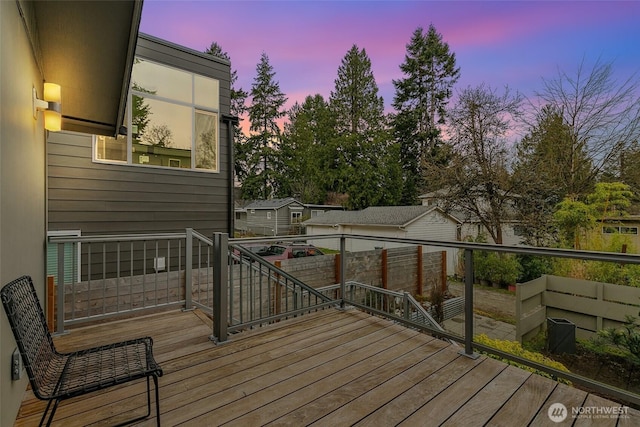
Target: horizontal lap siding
[[106, 199]]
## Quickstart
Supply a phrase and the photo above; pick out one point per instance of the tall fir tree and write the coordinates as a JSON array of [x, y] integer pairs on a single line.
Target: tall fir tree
[[362, 166], [420, 100], [262, 145], [306, 151]]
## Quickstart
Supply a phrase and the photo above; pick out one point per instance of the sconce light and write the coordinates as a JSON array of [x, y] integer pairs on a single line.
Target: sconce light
[[50, 105]]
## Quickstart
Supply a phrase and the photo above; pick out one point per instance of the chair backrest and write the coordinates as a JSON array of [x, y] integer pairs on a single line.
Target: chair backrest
[[29, 327]]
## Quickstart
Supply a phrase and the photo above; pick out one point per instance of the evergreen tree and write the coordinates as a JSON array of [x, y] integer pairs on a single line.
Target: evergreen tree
[[362, 149], [602, 114], [262, 146], [544, 176], [420, 101], [306, 151]]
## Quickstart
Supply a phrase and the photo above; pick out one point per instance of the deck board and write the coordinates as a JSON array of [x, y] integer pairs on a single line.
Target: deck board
[[328, 368]]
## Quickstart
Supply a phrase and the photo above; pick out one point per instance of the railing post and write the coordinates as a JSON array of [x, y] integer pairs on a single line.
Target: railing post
[[406, 305], [188, 270], [468, 304], [343, 267], [60, 296], [220, 284]]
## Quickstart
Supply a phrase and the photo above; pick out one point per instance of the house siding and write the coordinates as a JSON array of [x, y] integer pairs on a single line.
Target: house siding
[[106, 198], [258, 223], [433, 226], [470, 230], [99, 198]]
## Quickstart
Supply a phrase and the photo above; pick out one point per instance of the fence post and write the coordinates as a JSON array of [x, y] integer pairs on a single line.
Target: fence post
[[220, 284], [343, 267], [188, 270], [60, 296], [468, 304], [51, 303], [406, 305], [420, 271]]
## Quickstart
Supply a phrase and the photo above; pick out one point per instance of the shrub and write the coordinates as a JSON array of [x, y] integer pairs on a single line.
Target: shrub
[[514, 347], [626, 339], [503, 268], [533, 266]]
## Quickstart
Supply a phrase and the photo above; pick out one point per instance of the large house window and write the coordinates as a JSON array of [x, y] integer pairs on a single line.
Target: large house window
[[172, 121]]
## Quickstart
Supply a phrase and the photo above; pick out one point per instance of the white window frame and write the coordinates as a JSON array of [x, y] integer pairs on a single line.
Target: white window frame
[[194, 109]]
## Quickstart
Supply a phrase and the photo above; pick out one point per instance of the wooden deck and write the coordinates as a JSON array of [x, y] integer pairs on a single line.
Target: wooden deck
[[330, 368]]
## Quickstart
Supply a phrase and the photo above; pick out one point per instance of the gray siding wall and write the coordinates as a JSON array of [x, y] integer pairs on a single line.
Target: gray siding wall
[[99, 198], [258, 223], [279, 223], [284, 220]]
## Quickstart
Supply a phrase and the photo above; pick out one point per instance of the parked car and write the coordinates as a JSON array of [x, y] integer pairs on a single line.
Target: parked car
[[286, 251], [256, 248]]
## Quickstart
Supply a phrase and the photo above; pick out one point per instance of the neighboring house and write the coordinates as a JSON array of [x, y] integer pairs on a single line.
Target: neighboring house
[[88, 49], [471, 226], [240, 221], [313, 210], [259, 216], [626, 227], [275, 217], [418, 222]]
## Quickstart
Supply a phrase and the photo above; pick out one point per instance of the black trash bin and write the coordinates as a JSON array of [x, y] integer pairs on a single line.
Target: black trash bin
[[561, 336]]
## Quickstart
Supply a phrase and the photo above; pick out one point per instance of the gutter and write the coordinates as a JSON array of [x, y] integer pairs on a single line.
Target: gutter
[[231, 121]]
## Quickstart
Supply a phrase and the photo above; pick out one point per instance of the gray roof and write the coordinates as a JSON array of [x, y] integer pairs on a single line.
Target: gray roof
[[272, 203], [392, 216]]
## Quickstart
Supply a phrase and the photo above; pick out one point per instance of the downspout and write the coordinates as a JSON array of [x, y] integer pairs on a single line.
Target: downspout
[[231, 122], [276, 227]]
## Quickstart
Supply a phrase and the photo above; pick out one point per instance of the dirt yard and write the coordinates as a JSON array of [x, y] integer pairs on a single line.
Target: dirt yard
[[491, 301]]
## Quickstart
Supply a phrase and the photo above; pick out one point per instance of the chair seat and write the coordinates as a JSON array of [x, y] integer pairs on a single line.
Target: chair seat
[[105, 366]]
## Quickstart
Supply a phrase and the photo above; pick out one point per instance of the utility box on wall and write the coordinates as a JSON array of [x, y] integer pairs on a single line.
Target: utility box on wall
[[561, 336]]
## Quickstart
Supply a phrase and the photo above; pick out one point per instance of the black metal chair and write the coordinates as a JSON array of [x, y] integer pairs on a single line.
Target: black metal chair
[[58, 376]]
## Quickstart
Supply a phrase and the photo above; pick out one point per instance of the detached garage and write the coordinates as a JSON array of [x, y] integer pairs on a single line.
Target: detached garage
[[407, 222]]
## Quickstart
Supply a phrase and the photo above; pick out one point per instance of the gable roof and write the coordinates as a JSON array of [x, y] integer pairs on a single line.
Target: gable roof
[[272, 203], [389, 216]]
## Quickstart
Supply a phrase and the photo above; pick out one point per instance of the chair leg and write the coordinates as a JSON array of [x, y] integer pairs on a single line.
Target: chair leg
[[44, 415], [53, 411], [155, 380]]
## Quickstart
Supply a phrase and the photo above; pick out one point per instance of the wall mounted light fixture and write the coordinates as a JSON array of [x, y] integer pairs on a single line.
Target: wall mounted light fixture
[[51, 106]]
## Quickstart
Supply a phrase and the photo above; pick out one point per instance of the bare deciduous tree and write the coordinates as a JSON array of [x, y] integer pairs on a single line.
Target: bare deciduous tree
[[601, 113], [159, 135], [477, 180]]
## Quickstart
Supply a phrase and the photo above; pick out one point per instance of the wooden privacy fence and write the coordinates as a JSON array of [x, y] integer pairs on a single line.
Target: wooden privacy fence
[[398, 269], [591, 306]]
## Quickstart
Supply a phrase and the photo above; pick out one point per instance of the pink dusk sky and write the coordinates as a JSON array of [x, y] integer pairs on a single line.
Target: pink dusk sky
[[514, 43]]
